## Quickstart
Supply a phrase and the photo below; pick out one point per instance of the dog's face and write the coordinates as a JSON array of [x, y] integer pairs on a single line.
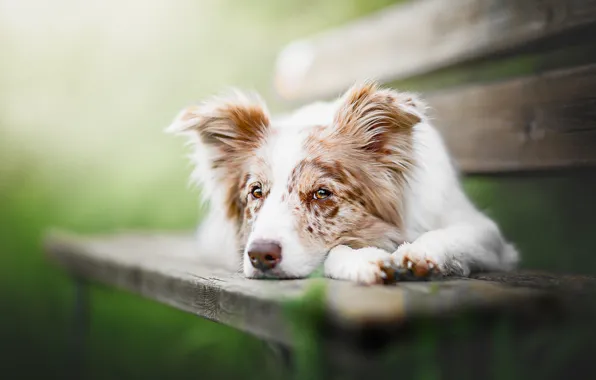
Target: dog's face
[[327, 176]]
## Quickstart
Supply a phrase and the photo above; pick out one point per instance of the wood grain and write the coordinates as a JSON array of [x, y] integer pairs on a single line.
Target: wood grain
[[167, 269], [419, 37], [545, 121]]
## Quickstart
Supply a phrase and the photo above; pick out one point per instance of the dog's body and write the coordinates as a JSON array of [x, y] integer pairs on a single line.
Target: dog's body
[[363, 184]]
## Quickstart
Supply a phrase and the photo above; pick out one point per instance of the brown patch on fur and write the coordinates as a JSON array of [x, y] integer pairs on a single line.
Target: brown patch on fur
[[233, 128], [322, 218], [372, 120], [333, 212], [373, 115], [363, 159], [234, 207], [233, 202], [251, 206]]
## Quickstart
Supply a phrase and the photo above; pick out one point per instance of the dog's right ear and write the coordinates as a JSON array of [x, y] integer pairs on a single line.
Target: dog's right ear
[[231, 124]]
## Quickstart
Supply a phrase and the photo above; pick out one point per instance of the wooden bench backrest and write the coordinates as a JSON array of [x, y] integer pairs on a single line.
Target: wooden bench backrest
[[511, 84]]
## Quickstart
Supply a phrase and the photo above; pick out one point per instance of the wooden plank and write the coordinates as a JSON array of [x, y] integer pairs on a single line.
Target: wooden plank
[[541, 122], [166, 268], [419, 37], [506, 67]]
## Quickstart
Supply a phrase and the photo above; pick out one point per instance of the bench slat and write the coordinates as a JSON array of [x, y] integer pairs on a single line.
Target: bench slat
[[419, 37], [166, 268], [540, 122]]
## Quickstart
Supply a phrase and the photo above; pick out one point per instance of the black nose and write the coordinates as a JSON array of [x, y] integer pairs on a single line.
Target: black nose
[[264, 254]]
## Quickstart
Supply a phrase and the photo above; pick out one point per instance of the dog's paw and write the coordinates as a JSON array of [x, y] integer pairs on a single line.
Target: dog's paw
[[416, 261], [381, 271], [367, 266], [422, 263]]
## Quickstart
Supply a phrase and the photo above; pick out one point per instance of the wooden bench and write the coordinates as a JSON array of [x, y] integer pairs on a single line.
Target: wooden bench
[[512, 85]]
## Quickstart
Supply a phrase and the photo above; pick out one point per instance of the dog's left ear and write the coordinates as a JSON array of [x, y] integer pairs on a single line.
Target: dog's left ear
[[229, 124], [377, 119]]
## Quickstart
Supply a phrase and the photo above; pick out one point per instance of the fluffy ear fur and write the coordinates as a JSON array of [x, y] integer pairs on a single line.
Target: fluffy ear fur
[[229, 124], [224, 132], [374, 128], [380, 120]]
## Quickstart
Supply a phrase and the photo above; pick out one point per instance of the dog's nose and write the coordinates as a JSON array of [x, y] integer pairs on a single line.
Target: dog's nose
[[264, 254]]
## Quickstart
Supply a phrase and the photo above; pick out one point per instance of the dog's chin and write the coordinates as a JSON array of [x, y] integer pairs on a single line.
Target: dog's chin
[[276, 273], [271, 275]]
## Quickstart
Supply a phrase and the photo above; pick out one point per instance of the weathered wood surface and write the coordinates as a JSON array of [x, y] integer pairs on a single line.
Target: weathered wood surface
[[419, 37], [546, 121], [166, 268]]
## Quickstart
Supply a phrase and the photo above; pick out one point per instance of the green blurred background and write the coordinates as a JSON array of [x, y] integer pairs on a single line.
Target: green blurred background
[[86, 89]]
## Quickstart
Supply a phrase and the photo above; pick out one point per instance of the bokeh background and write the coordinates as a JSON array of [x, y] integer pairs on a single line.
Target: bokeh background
[[86, 89]]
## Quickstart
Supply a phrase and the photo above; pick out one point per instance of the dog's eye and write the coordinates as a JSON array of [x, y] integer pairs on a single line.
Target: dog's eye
[[257, 192], [321, 194]]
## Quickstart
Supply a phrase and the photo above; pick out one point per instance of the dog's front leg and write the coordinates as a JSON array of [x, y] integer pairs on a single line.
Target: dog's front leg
[[366, 265], [458, 250]]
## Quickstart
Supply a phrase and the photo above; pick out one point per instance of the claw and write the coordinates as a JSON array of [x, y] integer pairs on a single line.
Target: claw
[[388, 273], [418, 270]]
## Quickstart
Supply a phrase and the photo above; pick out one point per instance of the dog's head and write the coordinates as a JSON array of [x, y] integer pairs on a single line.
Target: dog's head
[[330, 174]]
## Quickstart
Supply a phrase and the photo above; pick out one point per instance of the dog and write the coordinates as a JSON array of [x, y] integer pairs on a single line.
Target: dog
[[362, 185]]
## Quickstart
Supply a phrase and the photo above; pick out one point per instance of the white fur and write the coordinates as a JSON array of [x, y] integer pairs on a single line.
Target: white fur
[[440, 221], [359, 265], [275, 221]]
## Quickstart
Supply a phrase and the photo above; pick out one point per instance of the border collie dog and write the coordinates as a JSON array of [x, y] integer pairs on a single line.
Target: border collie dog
[[362, 185]]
